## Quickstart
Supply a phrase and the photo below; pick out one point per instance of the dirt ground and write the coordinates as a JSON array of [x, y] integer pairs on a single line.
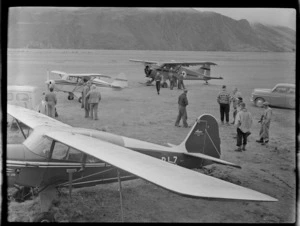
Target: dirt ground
[[138, 112]]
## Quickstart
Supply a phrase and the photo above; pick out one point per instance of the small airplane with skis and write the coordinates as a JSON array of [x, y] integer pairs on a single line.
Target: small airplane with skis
[[73, 83], [177, 69], [56, 155]]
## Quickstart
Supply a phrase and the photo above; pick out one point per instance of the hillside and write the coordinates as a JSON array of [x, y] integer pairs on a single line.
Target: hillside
[[142, 29]]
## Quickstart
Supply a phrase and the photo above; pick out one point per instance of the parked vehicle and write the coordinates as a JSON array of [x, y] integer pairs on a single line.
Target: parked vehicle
[[282, 95]]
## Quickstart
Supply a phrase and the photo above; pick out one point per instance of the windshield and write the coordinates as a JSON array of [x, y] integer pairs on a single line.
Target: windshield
[[38, 144]]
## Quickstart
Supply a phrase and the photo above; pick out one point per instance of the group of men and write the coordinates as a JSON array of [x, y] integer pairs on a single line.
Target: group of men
[[173, 80], [91, 97], [242, 118]]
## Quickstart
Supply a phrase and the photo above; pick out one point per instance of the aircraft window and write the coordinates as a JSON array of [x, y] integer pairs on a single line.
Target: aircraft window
[[91, 159], [64, 152], [280, 90], [10, 96], [22, 97], [38, 144]]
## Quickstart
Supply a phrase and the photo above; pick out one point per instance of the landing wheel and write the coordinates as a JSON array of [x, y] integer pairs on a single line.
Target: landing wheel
[[259, 102], [44, 217], [22, 194], [80, 99]]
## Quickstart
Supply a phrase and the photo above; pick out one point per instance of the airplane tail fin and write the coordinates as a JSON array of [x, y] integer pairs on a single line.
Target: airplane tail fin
[[203, 137], [120, 81]]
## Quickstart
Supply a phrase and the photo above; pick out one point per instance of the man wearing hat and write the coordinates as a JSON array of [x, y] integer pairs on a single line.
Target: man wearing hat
[[224, 101], [93, 97], [50, 98], [243, 122], [182, 103], [265, 124]]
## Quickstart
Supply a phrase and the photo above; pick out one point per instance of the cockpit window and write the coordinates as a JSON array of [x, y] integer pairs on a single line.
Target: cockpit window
[[38, 144], [64, 152]]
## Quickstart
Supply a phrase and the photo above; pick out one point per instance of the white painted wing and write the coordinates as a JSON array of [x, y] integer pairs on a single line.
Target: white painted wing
[[145, 62], [171, 177], [81, 74], [32, 118]]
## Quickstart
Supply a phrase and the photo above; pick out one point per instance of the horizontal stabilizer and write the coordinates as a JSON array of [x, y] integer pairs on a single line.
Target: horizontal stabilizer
[[120, 81], [216, 160]]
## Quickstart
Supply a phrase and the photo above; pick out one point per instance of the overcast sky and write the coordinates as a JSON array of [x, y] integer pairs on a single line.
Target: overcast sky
[[271, 16]]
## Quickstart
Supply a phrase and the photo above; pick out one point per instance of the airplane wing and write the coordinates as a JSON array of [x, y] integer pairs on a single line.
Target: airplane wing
[[145, 62], [31, 118], [81, 75], [186, 63], [169, 176]]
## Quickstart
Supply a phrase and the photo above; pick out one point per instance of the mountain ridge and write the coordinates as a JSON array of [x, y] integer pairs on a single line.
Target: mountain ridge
[[143, 29]]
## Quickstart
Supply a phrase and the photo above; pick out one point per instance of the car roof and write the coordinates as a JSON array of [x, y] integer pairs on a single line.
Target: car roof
[[286, 84], [21, 88]]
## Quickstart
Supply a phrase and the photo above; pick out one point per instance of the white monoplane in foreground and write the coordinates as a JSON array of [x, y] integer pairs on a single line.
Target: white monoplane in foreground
[[56, 155], [73, 83]]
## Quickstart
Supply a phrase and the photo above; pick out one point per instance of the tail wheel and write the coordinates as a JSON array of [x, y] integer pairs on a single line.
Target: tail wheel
[[44, 217], [259, 102]]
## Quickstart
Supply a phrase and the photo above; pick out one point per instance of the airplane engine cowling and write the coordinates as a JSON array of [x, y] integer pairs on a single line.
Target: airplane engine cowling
[[147, 71]]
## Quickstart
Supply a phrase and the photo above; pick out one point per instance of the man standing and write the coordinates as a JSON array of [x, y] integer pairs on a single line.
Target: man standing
[[180, 80], [265, 124], [51, 100], [182, 103], [158, 78], [85, 103], [235, 101], [224, 102], [243, 122], [171, 78], [93, 97]]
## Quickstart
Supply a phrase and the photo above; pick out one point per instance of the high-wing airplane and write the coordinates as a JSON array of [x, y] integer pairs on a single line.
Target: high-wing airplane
[[73, 83], [177, 69], [56, 155]]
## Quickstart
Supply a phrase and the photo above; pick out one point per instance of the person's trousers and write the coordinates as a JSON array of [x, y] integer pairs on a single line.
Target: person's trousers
[[264, 131], [158, 86], [241, 138], [182, 114], [51, 109], [224, 110], [94, 110]]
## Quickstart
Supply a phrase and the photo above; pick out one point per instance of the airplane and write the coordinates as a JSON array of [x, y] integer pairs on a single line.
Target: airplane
[[73, 83], [56, 155], [177, 69]]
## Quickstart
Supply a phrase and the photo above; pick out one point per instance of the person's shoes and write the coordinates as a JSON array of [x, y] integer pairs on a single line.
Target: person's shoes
[[227, 123], [222, 123], [260, 141], [244, 148], [96, 119], [177, 125], [238, 149]]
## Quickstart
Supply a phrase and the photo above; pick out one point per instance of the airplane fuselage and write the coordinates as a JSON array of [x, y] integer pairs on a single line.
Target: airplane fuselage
[[38, 168]]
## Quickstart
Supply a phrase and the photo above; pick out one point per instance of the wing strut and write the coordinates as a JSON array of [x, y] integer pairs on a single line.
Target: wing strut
[[120, 190]]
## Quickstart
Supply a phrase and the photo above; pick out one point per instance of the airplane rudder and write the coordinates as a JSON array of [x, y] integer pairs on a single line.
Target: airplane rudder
[[204, 137]]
